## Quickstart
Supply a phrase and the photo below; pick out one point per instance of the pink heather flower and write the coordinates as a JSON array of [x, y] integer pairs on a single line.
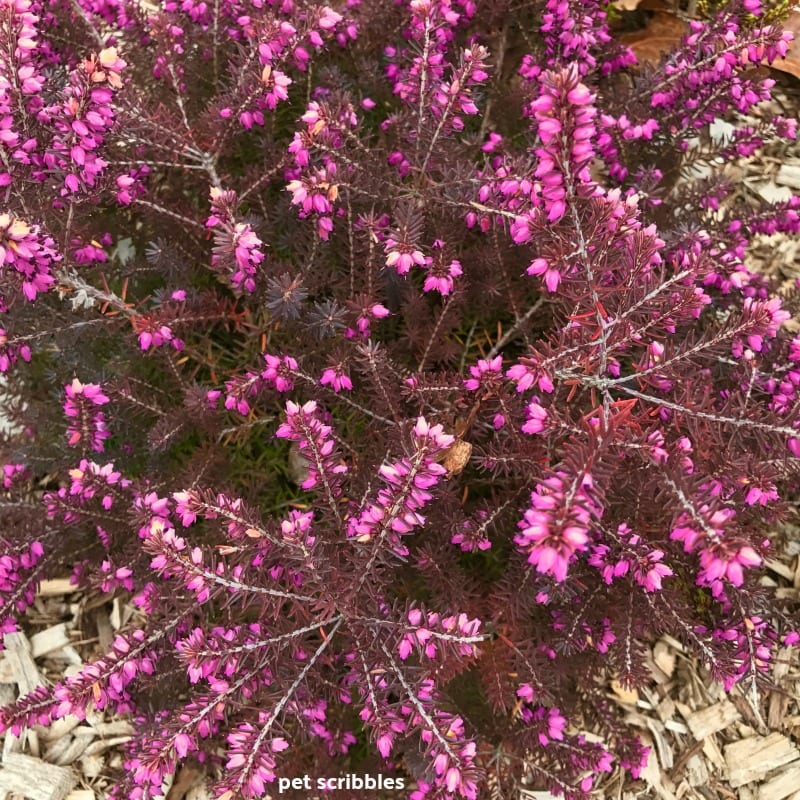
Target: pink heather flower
[[297, 528], [363, 327], [557, 526], [526, 374], [526, 693], [124, 183], [552, 277], [537, 417], [28, 253], [484, 370], [719, 562], [649, 571], [316, 191], [78, 406], [690, 530], [328, 18], [336, 378], [276, 84], [156, 335], [237, 248], [761, 495], [280, 372], [11, 352], [395, 510], [314, 117], [384, 744], [13, 473], [304, 426], [402, 256], [772, 317], [441, 279]]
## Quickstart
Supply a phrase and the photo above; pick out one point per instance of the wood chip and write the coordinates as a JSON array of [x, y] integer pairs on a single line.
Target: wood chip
[[696, 772], [781, 786], [752, 758], [106, 744], [34, 778], [712, 719], [779, 699], [117, 727], [789, 175], [56, 587], [69, 749], [198, 792], [676, 727], [23, 669], [666, 709], [628, 697], [663, 747], [188, 775], [712, 752], [81, 794], [664, 657], [50, 639], [91, 766], [771, 192], [8, 693], [655, 778], [784, 570], [105, 633], [673, 643]]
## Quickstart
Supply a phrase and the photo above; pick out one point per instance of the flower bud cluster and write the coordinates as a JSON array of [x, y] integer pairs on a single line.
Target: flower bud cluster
[[316, 444], [558, 523], [394, 512], [237, 248], [26, 259], [11, 351], [87, 424]]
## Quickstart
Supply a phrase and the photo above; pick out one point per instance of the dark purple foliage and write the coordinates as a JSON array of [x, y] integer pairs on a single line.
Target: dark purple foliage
[[396, 363]]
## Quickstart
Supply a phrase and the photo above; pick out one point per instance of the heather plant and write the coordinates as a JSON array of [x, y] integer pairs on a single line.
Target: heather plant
[[403, 364]]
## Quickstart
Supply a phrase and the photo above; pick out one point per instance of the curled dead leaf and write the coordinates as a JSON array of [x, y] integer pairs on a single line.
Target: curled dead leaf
[[456, 457], [664, 32]]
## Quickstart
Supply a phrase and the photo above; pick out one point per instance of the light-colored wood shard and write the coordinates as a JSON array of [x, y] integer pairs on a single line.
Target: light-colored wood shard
[[115, 727], [106, 744], [623, 694], [710, 720], [664, 657], [655, 778], [69, 749], [35, 779], [779, 700], [662, 744], [23, 669], [91, 766], [49, 639], [58, 728], [56, 587], [665, 709], [784, 570], [789, 175], [81, 794], [752, 758], [781, 786], [696, 771]]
